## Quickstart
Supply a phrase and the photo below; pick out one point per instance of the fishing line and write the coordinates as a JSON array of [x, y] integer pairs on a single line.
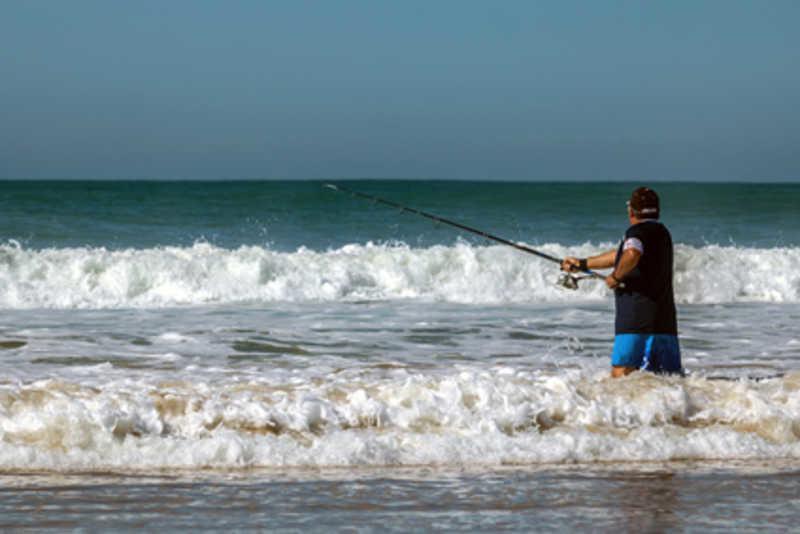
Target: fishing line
[[568, 280]]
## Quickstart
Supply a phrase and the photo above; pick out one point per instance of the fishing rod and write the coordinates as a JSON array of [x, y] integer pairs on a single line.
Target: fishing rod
[[568, 280]]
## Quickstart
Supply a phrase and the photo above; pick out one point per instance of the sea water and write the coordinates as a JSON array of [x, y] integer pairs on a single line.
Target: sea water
[[281, 338]]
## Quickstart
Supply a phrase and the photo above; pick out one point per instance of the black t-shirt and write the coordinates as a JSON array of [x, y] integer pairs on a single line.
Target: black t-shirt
[[646, 305]]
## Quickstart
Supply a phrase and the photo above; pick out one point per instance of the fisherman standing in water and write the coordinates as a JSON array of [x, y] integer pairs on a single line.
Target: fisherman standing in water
[[646, 328]]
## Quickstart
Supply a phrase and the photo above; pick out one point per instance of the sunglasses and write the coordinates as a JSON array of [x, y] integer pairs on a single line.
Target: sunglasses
[[643, 210]]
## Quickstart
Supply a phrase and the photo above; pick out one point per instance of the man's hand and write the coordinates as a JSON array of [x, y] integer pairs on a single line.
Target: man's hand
[[612, 282], [570, 264]]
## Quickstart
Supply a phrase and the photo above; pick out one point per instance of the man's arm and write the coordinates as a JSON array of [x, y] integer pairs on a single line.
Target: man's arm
[[627, 262], [601, 261]]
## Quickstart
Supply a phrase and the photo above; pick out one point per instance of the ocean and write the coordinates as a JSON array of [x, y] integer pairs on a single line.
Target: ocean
[[276, 354]]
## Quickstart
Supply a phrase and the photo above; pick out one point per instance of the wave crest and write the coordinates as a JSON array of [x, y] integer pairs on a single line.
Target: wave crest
[[462, 273]]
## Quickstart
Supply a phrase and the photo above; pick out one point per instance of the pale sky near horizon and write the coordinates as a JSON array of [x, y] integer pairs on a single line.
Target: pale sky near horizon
[[510, 90]]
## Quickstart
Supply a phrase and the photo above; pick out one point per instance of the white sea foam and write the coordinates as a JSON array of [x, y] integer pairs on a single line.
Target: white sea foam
[[202, 274], [469, 417], [174, 337]]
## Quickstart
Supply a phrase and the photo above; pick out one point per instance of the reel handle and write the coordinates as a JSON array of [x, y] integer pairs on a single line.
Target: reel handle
[[570, 281]]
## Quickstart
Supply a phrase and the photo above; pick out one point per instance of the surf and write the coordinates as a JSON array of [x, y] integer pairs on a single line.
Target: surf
[[465, 273], [470, 417]]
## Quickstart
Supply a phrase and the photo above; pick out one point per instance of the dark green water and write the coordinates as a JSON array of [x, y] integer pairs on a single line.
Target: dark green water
[[285, 215]]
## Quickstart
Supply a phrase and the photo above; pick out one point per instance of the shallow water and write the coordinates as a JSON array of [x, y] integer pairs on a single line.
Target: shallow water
[[639, 497], [386, 384]]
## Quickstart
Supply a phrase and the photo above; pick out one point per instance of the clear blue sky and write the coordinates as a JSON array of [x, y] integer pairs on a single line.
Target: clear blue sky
[[685, 90]]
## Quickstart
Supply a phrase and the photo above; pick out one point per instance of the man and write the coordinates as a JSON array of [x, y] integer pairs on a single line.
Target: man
[[646, 329]]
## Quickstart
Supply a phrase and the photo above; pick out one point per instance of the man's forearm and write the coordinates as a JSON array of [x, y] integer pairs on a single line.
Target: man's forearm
[[602, 261], [628, 261]]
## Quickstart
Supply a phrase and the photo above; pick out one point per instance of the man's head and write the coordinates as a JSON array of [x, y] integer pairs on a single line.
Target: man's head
[[644, 203]]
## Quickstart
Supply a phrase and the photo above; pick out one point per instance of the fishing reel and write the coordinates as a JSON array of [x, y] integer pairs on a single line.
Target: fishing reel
[[568, 281]]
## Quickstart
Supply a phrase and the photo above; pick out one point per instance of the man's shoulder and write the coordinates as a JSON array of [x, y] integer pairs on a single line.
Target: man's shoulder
[[645, 228]]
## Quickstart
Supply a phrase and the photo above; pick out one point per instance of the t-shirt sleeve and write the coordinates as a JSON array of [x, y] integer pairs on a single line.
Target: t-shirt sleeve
[[634, 243], [633, 239]]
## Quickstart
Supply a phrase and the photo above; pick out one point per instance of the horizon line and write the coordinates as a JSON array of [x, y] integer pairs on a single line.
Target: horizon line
[[414, 179]]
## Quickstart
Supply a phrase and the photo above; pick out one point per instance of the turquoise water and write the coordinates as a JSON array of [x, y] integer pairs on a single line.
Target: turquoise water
[[288, 215]]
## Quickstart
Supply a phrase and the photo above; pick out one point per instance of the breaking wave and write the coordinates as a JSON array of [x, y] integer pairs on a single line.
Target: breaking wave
[[468, 417], [203, 274]]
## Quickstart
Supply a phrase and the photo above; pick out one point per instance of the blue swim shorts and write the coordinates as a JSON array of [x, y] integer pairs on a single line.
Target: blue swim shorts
[[658, 353]]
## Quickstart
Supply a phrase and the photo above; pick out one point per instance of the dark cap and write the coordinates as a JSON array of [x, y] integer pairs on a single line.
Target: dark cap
[[644, 202]]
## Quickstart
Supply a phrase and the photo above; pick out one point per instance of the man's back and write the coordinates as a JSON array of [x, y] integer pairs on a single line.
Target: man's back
[[646, 304]]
